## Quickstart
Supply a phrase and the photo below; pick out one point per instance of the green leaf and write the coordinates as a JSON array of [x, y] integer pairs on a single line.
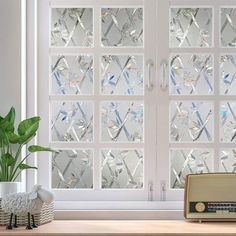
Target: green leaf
[[27, 129], [36, 148], [11, 115], [13, 138], [8, 159], [26, 138], [7, 123], [28, 125], [2, 134], [23, 166]]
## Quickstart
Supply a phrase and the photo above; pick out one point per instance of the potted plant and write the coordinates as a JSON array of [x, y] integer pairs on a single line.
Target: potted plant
[[12, 141]]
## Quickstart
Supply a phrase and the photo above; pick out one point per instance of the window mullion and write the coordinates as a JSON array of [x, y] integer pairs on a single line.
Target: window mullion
[[96, 97], [217, 79]]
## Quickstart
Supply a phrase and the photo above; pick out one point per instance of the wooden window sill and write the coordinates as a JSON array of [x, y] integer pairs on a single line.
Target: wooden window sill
[[127, 227]]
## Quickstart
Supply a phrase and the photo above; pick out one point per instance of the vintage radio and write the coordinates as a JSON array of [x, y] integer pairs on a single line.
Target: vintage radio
[[210, 197]]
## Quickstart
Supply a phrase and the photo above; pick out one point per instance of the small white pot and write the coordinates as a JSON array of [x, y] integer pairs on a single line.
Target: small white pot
[[9, 187]]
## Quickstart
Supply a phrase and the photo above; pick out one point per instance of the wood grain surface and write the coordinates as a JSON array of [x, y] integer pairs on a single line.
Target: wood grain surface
[[128, 227]]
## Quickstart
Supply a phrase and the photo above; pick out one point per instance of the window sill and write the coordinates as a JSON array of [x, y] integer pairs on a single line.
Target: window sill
[[147, 227], [115, 210], [119, 215], [119, 205]]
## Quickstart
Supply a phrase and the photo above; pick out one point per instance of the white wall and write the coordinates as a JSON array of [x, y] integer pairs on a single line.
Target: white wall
[[10, 56]]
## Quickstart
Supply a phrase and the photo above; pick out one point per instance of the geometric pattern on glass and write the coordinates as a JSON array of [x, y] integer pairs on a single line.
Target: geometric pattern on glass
[[189, 161], [72, 169], [228, 74], [191, 121], [122, 75], [228, 27], [122, 27], [228, 121], [228, 160], [191, 74], [122, 168], [72, 27], [122, 121], [72, 75], [190, 27], [72, 121]]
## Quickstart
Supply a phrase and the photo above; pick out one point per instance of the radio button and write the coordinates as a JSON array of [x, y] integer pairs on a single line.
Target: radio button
[[200, 207]]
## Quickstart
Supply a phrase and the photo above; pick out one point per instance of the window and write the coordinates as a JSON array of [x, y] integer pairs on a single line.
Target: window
[[94, 101], [199, 104], [135, 95]]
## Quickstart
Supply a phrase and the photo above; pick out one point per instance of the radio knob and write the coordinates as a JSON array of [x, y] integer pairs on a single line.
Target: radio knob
[[200, 207]]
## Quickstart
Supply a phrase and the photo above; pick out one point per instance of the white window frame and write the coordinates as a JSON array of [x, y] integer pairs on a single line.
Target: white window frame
[[43, 108], [216, 50], [163, 199]]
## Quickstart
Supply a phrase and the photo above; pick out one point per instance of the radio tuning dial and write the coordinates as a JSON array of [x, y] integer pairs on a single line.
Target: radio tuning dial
[[200, 207]]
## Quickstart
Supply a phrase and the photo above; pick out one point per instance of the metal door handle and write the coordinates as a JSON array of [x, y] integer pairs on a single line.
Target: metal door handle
[[149, 84], [164, 83]]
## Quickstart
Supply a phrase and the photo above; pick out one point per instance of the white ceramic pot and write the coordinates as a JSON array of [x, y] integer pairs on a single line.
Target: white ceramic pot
[[9, 187]]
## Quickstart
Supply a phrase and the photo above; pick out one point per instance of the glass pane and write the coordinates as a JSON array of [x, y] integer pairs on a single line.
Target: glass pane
[[189, 161], [122, 168], [228, 74], [72, 169], [122, 121], [190, 27], [191, 74], [72, 27], [72, 75], [228, 122], [72, 121], [122, 75], [191, 121], [228, 27], [122, 27], [228, 160]]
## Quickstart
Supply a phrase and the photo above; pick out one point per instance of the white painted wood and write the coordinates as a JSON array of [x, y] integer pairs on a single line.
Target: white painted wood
[[44, 163], [156, 146], [163, 52], [31, 94], [119, 215], [43, 100]]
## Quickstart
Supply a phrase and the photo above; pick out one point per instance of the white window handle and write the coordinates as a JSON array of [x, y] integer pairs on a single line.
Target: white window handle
[[149, 84], [164, 84]]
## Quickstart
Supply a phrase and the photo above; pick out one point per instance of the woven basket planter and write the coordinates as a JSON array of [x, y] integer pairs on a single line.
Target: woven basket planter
[[45, 216]]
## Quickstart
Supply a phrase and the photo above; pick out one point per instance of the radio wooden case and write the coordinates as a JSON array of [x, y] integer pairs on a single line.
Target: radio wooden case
[[210, 197]]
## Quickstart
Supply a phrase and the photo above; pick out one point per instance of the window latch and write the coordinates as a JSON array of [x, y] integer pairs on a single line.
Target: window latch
[[164, 74], [163, 191], [149, 65], [150, 191]]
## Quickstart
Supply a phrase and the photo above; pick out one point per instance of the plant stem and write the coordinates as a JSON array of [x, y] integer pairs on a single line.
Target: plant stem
[[16, 158], [16, 176], [14, 172]]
